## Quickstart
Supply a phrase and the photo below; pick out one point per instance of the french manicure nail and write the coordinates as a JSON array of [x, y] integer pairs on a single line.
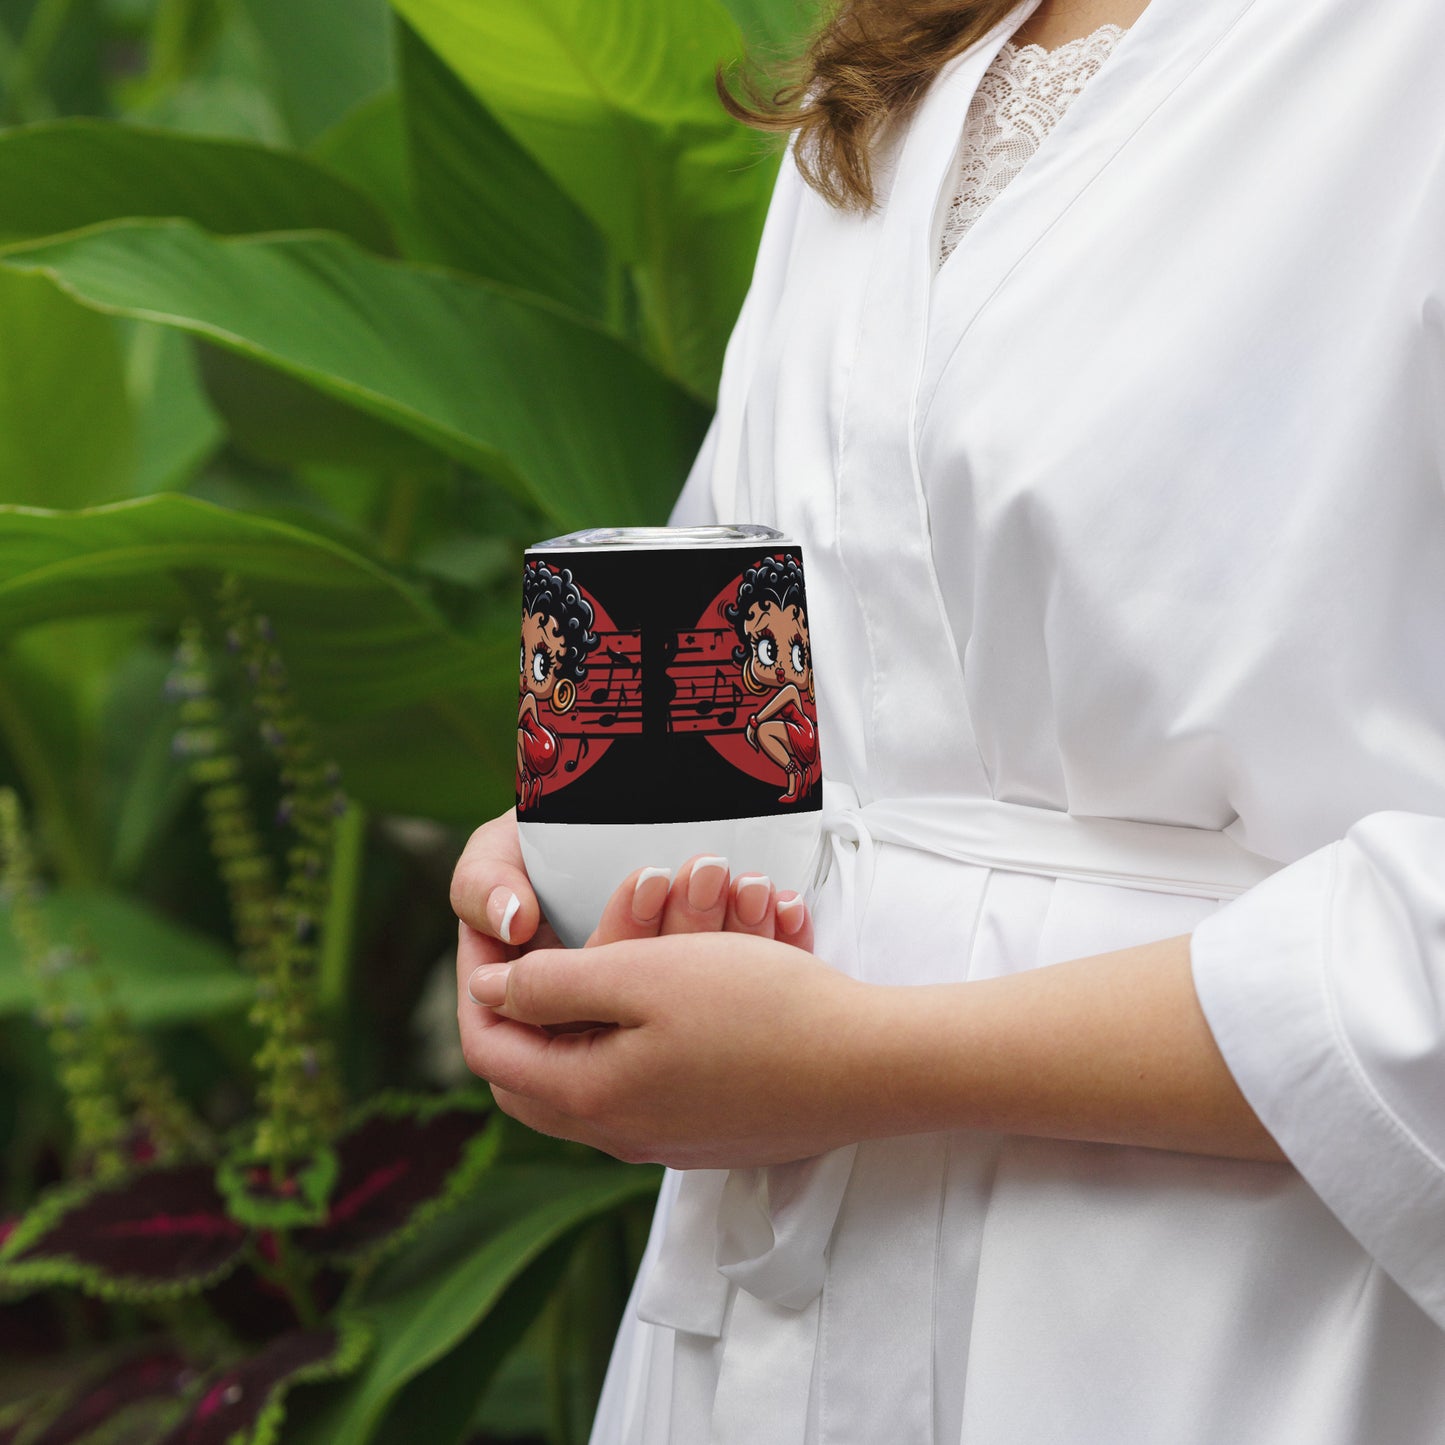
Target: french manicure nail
[[705, 885], [752, 899], [791, 912], [502, 908], [650, 893], [488, 984]]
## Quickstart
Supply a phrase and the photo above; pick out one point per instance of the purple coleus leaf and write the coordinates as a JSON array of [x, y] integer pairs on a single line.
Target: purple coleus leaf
[[401, 1160], [158, 1233], [160, 1374], [242, 1404]]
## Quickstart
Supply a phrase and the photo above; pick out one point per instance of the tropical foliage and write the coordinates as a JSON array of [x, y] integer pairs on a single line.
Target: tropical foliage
[[313, 313]]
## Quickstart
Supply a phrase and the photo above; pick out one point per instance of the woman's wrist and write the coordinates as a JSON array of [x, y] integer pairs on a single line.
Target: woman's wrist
[[1113, 1048]]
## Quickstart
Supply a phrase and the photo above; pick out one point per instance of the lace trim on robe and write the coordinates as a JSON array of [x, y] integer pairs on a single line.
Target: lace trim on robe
[[1020, 99]]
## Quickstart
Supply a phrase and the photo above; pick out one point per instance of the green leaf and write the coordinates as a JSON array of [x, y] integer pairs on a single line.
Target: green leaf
[[447, 1393], [374, 666], [368, 147], [163, 973], [78, 172], [177, 428], [275, 418], [493, 209], [557, 410], [326, 55], [617, 103], [209, 75], [426, 1301], [775, 28], [66, 429], [55, 685]]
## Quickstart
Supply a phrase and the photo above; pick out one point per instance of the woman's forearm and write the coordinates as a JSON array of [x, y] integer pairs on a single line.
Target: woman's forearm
[[1113, 1048]]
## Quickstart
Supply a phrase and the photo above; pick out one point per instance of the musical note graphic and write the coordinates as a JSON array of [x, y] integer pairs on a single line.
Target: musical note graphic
[[706, 706], [570, 766], [609, 719], [615, 658]]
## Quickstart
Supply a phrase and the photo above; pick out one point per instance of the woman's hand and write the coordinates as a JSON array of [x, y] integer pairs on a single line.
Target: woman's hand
[[708, 1050], [500, 920]]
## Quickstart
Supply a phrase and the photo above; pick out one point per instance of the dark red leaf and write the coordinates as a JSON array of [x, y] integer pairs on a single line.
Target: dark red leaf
[[233, 1400], [161, 1230], [161, 1373], [392, 1164]]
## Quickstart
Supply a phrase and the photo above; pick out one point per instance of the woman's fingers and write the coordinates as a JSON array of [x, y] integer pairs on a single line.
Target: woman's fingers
[[698, 901], [565, 986], [757, 908], [750, 906], [490, 889], [793, 923], [635, 908]]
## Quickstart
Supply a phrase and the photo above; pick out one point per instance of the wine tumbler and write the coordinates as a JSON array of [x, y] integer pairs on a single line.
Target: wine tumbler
[[665, 708]]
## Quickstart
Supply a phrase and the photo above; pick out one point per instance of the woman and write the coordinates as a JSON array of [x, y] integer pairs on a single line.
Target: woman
[[1117, 1116]]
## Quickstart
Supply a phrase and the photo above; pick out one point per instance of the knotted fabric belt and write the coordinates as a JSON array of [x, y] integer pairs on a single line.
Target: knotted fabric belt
[[767, 1229]]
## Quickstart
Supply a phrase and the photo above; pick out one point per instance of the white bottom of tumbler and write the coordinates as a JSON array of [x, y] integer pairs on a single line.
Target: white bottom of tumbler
[[575, 867]]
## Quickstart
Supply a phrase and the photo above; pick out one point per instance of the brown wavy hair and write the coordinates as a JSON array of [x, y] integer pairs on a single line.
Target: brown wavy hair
[[865, 68]]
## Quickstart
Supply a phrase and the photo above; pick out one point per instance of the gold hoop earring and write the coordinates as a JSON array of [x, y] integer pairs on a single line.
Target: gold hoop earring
[[750, 680], [564, 695]]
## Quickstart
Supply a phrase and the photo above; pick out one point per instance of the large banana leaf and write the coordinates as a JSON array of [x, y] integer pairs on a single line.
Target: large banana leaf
[[617, 103], [427, 1301], [552, 407], [326, 56], [493, 209], [66, 427], [775, 29], [368, 148], [74, 173], [419, 718]]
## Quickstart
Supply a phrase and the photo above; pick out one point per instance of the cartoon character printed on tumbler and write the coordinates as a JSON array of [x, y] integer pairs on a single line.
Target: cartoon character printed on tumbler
[[556, 639], [771, 622]]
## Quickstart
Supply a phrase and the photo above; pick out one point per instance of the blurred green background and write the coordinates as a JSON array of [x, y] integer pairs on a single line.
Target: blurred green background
[[347, 302]]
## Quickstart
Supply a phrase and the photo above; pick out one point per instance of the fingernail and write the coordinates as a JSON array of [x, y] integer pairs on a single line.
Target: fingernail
[[752, 900], [705, 886], [650, 893], [488, 984], [502, 908], [791, 913]]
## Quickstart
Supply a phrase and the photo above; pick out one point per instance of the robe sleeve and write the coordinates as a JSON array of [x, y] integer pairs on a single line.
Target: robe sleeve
[[1324, 987], [694, 506], [710, 493]]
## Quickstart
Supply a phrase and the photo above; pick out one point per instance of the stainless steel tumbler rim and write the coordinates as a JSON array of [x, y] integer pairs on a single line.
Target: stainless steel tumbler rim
[[599, 539]]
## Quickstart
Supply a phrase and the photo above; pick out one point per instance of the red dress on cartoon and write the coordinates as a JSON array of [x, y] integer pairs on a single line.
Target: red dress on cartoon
[[802, 734]]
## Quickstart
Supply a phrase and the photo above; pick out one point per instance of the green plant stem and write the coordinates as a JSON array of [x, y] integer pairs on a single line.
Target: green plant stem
[[76, 867], [289, 1277], [347, 863]]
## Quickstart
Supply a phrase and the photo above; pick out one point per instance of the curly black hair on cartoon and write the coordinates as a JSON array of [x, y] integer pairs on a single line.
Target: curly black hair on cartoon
[[769, 580], [554, 595]]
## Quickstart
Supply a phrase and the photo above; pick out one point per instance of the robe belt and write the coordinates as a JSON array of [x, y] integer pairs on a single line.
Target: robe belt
[[767, 1230]]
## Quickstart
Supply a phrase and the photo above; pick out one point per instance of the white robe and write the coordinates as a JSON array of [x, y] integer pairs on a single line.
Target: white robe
[[1135, 510]]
